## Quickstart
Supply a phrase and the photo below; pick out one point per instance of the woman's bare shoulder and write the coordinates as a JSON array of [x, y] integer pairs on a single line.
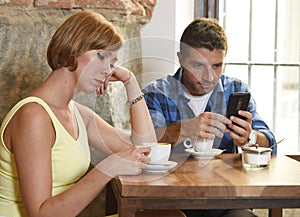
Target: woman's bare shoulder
[[30, 121], [29, 118], [32, 111]]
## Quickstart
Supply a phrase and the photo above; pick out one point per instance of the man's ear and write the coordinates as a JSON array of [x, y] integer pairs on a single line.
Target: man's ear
[[180, 58]]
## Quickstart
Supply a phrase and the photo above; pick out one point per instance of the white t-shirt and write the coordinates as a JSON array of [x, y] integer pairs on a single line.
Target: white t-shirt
[[197, 103]]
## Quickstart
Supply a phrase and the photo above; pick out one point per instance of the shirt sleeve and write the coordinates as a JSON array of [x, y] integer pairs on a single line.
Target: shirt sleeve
[[155, 109], [259, 125]]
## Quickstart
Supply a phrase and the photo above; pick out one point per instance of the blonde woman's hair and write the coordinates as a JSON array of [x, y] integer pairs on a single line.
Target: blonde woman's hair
[[82, 31]]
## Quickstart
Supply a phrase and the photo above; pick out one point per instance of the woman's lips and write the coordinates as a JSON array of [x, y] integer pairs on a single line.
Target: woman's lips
[[99, 82]]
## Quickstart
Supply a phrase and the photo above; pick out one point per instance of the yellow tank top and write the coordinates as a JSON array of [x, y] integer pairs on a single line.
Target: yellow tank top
[[70, 160]]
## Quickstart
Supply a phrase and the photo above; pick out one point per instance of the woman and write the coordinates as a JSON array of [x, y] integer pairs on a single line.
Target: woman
[[44, 154]]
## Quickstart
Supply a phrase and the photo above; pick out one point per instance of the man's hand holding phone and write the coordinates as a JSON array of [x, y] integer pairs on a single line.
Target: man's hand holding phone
[[241, 119]]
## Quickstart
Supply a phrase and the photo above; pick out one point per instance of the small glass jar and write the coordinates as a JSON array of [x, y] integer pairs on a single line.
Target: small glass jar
[[256, 157]]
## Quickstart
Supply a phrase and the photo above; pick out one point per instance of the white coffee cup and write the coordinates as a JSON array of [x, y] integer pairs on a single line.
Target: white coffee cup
[[160, 152], [203, 145]]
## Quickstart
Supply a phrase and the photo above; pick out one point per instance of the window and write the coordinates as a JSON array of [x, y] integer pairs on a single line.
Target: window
[[264, 51]]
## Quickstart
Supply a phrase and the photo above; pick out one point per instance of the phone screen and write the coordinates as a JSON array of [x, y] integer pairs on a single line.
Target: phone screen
[[237, 101]]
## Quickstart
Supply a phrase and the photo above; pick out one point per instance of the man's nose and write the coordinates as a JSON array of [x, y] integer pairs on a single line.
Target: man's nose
[[209, 74]]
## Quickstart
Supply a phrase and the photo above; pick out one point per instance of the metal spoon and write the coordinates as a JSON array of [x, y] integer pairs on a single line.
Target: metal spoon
[[277, 143], [256, 145]]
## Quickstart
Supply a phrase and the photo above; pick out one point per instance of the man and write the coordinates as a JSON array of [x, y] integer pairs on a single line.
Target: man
[[192, 103]]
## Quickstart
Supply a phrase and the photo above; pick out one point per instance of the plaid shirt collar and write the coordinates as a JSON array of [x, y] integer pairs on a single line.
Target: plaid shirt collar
[[215, 102]]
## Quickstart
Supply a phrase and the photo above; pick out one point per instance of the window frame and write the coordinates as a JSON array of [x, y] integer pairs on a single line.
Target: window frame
[[210, 9]]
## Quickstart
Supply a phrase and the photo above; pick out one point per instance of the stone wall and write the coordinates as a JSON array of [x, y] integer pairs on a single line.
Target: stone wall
[[26, 27]]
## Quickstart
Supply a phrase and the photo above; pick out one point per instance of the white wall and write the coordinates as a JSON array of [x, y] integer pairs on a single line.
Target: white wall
[[160, 37]]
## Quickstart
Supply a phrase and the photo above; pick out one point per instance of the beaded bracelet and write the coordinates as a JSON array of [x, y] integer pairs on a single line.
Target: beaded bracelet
[[136, 100]]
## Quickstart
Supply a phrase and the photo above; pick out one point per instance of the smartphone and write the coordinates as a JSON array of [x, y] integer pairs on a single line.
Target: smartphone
[[237, 101]]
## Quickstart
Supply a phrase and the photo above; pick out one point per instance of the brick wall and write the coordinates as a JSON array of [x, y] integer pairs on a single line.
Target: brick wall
[[135, 7]]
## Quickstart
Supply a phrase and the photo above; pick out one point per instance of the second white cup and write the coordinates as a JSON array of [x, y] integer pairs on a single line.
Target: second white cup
[[203, 145]]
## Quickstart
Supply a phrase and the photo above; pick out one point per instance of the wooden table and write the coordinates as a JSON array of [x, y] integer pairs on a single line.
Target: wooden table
[[220, 183]]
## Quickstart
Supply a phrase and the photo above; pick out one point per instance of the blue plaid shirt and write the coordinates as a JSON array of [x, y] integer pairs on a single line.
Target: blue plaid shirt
[[167, 104]]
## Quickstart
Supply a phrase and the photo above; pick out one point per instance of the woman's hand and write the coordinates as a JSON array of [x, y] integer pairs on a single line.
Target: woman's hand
[[119, 74], [129, 162]]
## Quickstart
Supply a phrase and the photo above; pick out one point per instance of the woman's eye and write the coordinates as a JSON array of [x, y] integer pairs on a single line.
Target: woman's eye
[[112, 66], [100, 56]]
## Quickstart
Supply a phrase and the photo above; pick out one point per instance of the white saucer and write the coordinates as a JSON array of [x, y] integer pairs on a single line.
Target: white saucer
[[160, 168], [204, 155]]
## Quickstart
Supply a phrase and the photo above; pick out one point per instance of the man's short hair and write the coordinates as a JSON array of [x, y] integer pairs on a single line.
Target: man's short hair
[[203, 33]]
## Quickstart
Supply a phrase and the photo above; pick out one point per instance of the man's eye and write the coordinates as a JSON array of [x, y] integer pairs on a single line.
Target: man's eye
[[112, 66], [100, 56], [217, 66], [198, 66]]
